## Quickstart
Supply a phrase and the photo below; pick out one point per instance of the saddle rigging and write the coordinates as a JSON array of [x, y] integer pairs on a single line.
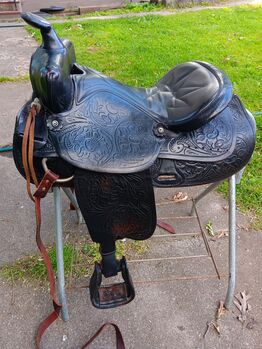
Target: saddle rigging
[[118, 142]]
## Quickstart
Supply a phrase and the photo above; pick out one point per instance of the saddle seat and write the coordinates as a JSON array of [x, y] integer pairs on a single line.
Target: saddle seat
[[192, 94], [186, 98]]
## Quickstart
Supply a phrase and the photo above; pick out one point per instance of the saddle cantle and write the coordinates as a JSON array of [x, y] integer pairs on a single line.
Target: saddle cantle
[[117, 140]]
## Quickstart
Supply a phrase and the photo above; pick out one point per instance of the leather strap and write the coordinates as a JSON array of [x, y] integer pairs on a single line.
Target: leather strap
[[27, 150], [46, 183], [169, 228], [119, 338]]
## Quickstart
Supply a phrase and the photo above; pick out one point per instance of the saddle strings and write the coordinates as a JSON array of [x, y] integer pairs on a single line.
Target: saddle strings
[[28, 147]]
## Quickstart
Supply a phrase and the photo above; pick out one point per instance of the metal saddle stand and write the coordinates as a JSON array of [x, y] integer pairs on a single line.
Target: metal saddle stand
[[232, 181]]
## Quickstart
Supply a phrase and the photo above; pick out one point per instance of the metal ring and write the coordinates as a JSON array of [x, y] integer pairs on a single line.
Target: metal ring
[[46, 169]]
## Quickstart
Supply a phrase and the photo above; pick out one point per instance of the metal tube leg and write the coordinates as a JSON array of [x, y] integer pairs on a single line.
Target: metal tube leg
[[59, 254], [239, 175], [232, 241], [72, 198], [210, 188]]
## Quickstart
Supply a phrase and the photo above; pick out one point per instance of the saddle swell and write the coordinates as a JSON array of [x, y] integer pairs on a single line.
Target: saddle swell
[[121, 141]]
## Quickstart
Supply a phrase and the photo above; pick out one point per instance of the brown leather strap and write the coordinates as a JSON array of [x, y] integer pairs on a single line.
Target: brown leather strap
[[119, 339], [46, 183], [169, 228], [27, 150], [44, 326], [31, 151]]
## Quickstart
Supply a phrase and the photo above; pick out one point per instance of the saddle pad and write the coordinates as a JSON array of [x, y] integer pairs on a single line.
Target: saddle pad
[[116, 206]]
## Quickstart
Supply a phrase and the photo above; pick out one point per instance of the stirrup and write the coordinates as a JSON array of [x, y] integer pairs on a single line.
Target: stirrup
[[113, 295]]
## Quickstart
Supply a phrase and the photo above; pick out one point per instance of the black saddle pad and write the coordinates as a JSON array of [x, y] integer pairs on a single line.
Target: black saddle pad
[[116, 205]]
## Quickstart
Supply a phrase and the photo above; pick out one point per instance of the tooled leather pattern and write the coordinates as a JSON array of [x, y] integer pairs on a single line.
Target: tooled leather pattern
[[212, 142], [115, 205], [105, 133], [188, 173]]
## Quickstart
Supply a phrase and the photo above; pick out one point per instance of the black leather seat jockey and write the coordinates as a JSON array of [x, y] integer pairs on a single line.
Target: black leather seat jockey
[[194, 93]]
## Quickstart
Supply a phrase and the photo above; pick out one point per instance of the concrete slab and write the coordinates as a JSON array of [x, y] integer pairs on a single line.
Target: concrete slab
[[17, 216], [16, 47], [12, 97], [164, 315]]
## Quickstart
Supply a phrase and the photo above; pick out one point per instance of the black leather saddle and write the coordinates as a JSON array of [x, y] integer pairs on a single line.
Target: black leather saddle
[[119, 141]]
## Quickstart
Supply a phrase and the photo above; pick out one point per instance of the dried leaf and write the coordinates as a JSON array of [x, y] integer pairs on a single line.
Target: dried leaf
[[219, 236], [238, 305], [178, 197], [221, 310], [242, 305], [207, 329], [216, 327]]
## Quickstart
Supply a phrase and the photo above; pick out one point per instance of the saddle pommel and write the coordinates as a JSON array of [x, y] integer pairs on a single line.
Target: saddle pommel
[[50, 39], [51, 66]]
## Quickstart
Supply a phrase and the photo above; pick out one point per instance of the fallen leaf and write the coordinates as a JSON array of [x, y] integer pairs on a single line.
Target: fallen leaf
[[216, 327], [178, 197], [242, 305], [221, 310], [209, 228], [219, 236]]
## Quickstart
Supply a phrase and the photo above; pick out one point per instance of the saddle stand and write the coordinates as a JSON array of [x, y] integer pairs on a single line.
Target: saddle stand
[[232, 181]]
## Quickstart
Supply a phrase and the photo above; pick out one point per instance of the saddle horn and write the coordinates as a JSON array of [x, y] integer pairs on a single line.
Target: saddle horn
[[49, 36], [50, 67]]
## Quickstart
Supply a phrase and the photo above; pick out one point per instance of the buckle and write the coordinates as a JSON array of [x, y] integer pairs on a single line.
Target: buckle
[[113, 295]]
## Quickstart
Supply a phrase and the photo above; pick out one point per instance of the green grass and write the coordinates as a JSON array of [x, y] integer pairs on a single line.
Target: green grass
[[14, 79], [139, 51], [249, 192], [78, 261]]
